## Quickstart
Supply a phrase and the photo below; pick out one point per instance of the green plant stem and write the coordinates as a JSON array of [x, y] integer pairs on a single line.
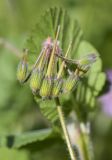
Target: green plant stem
[[85, 138], [63, 125], [87, 155]]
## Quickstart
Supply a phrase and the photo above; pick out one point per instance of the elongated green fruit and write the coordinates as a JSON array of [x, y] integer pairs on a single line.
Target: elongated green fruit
[[58, 82], [47, 84], [57, 85], [46, 87], [36, 80], [22, 68], [37, 74], [83, 63], [53, 58], [70, 83]]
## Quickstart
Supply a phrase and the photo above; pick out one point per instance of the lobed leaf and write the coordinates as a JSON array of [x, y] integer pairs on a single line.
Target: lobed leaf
[[89, 88], [48, 108], [17, 141]]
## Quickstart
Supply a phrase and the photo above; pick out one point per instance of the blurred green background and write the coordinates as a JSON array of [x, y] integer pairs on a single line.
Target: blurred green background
[[18, 111]]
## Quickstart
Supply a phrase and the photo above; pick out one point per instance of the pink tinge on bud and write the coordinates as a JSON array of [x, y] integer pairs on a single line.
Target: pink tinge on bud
[[48, 44]]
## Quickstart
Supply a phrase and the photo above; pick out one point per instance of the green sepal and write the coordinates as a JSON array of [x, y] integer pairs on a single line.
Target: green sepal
[[46, 87], [36, 80], [57, 85], [22, 71], [70, 83]]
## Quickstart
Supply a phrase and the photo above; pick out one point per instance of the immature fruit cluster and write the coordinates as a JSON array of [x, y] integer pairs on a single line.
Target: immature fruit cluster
[[47, 75]]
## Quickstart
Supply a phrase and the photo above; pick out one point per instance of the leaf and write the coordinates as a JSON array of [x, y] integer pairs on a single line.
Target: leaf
[[48, 108], [89, 88], [17, 141]]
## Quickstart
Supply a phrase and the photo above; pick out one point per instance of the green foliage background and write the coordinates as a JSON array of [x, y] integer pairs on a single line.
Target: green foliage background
[[18, 111]]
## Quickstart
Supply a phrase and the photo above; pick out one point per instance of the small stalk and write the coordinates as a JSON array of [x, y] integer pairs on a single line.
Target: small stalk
[[51, 62], [86, 143], [63, 63], [63, 125], [87, 155], [58, 82], [39, 57], [42, 61]]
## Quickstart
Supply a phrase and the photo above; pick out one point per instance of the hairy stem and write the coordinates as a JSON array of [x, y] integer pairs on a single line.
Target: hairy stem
[[86, 143], [84, 135], [63, 125]]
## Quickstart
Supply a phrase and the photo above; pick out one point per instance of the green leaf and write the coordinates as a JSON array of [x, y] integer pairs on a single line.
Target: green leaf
[[89, 87], [17, 141], [26, 138], [48, 108]]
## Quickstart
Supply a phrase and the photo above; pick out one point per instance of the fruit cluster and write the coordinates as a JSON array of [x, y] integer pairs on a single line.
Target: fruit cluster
[[47, 75]]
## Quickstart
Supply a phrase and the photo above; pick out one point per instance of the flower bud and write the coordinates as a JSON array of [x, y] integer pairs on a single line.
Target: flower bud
[[36, 80], [22, 68], [57, 85], [70, 83], [46, 87]]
